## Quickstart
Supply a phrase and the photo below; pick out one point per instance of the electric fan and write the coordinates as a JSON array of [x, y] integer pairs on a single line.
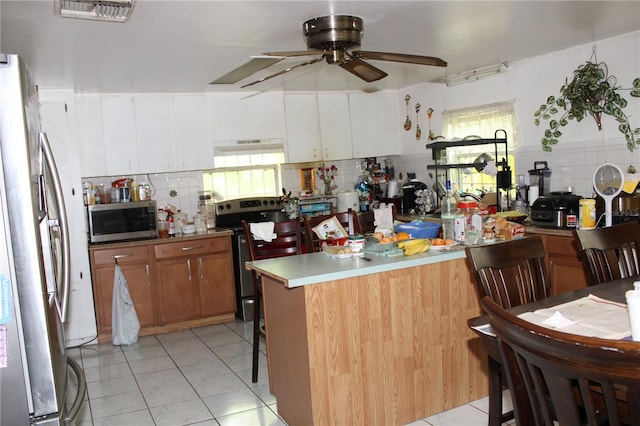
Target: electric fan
[[607, 182]]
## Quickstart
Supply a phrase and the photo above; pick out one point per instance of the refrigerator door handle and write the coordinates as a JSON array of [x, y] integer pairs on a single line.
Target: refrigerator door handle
[[61, 224]]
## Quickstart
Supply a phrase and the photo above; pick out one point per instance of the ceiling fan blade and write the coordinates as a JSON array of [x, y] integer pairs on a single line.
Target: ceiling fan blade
[[312, 61], [296, 53], [399, 57], [257, 63], [361, 69]]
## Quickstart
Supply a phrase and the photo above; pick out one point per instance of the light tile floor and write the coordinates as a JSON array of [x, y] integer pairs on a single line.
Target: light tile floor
[[200, 376]]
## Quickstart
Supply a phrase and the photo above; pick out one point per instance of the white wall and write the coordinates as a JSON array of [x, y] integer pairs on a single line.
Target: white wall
[[529, 82]]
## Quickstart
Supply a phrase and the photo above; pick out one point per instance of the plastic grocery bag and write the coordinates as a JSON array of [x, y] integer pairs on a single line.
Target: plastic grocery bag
[[124, 320]]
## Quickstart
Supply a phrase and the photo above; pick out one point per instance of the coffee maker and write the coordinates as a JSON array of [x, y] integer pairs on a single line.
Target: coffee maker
[[540, 176], [408, 202]]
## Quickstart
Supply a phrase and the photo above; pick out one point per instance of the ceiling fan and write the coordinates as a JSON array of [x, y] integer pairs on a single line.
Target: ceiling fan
[[333, 39]]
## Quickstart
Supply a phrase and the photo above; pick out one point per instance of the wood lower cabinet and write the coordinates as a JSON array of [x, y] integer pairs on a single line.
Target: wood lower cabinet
[[193, 279], [567, 269], [135, 263], [174, 284]]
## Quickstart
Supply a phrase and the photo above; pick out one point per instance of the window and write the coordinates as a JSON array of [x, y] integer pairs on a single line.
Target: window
[[239, 175], [482, 121]]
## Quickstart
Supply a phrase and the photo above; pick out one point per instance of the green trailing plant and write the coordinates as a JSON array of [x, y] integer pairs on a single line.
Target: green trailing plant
[[594, 92]]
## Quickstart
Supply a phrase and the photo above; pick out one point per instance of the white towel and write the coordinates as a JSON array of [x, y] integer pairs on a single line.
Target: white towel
[[383, 216], [263, 231]]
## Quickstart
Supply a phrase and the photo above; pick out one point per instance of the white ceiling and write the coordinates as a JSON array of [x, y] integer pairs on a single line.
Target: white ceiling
[[180, 46]]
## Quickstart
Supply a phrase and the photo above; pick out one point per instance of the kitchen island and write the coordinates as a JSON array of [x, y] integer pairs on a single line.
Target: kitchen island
[[379, 342]]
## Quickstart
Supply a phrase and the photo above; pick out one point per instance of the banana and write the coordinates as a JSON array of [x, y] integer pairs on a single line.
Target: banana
[[420, 247], [411, 243]]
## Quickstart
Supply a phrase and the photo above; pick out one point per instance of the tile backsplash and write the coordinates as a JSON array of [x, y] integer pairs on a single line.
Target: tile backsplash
[[571, 166]]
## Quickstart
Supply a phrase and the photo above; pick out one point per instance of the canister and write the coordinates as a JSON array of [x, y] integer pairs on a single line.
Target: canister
[[356, 242], [587, 215]]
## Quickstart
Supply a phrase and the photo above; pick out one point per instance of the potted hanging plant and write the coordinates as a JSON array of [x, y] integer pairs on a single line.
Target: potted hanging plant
[[594, 92]]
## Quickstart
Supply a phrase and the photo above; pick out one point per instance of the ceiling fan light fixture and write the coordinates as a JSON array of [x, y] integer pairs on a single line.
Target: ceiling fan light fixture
[[476, 74], [97, 10]]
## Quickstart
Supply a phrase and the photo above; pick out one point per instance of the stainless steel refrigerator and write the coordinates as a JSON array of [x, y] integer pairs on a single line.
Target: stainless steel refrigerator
[[39, 384]]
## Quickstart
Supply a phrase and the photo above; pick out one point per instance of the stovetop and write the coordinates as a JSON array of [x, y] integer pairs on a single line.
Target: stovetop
[[229, 213]]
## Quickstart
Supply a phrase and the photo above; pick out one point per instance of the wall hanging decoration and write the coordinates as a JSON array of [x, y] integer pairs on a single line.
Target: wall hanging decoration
[[418, 130], [407, 122], [432, 136], [594, 92]]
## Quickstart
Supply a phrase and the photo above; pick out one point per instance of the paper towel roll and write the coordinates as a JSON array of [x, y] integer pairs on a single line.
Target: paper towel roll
[[534, 193], [633, 306], [392, 188]]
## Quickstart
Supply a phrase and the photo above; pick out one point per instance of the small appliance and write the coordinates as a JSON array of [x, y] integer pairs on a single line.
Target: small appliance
[[122, 221], [539, 176], [408, 203], [552, 211], [348, 200]]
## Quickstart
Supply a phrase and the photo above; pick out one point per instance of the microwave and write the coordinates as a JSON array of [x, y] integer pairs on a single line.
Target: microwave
[[122, 221]]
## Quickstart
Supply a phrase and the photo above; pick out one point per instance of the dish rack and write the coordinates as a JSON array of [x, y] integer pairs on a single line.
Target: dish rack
[[498, 143]]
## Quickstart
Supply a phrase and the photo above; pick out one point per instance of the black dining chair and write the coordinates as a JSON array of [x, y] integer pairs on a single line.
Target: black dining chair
[[612, 252], [287, 241], [511, 274], [566, 379]]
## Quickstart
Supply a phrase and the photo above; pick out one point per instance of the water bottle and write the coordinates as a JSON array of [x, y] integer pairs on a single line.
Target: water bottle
[[448, 211]]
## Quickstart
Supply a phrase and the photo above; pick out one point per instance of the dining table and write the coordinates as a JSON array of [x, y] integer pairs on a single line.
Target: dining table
[[613, 291]]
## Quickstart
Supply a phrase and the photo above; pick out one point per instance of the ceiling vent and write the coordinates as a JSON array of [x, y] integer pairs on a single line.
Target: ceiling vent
[[98, 10]]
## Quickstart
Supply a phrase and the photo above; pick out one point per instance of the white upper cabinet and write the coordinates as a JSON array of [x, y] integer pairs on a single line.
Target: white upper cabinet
[[335, 126], [191, 133], [373, 124], [89, 136], [303, 128], [236, 116], [153, 123], [119, 128], [318, 127]]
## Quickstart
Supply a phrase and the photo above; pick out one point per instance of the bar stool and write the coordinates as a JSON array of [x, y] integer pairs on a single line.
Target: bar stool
[[286, 241]]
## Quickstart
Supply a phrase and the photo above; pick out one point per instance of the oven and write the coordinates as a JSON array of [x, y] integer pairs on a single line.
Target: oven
[[229, 213]]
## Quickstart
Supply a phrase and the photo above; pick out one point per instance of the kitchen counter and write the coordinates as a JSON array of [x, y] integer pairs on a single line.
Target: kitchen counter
[[312, 268], [380, 342], [218, 232]]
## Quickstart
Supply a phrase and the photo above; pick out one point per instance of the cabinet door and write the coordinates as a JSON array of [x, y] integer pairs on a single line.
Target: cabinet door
[[566, 267], [303, 128], [156, 150], [89, 136], [217, 291], [56, 116], [120, 148], [177, 289], [335, 126], [372, 116], [192, 137], [139, 283]]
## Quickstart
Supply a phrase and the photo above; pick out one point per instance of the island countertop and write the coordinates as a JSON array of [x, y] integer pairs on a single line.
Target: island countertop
[[313, 268]]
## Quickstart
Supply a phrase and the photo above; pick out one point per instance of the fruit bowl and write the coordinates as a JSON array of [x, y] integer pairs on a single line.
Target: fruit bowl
[[420, 229]]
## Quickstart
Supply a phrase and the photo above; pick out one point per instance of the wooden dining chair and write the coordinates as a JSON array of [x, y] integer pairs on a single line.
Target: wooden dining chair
[[286, 242], [349, 221], [511, 274], [566, 378], [612, 252]]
